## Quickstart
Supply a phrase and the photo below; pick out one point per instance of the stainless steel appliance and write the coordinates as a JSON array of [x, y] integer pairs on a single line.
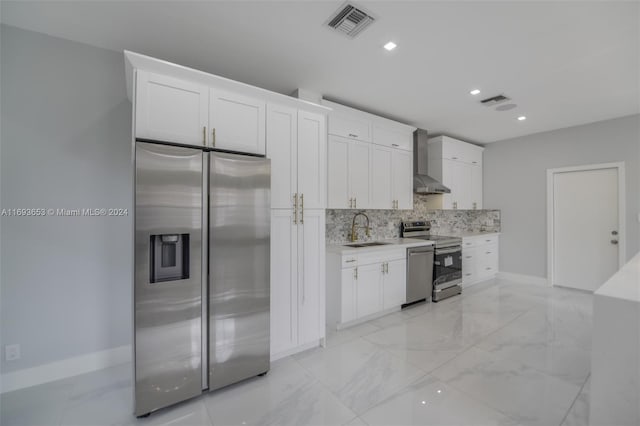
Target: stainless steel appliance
[[447, 263], [422, 182], [201, 291], [419, 274]]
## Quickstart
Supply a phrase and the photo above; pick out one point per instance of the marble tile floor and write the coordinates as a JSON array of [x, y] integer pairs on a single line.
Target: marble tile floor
[[500, 354]]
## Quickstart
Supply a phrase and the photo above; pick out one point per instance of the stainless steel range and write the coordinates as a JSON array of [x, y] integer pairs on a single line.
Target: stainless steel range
[[447, 259]]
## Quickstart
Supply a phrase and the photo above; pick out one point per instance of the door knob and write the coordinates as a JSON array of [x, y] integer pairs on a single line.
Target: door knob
[[614, 241], [614, 232]]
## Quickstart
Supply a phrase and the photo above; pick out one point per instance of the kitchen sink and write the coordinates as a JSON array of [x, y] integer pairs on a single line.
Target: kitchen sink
[[371, 244]]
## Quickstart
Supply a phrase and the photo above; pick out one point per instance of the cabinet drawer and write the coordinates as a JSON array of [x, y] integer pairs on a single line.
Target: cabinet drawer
[[349, 261], [487, 260], [383, 256], [392, 138], [469, 262], [350, 127], [469, 242], [487, 239]]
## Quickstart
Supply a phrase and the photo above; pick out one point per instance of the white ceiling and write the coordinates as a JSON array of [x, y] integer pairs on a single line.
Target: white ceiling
[[563, 63]]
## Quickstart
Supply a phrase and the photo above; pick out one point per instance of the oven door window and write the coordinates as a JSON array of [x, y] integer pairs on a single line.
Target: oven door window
[[447, 266]]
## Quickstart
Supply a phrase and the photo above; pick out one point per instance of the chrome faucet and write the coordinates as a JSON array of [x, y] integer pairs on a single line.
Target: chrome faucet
[[354, 235]]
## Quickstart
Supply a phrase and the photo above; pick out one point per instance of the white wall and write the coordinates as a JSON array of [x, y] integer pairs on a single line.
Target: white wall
[[515, 183], [65, 143]]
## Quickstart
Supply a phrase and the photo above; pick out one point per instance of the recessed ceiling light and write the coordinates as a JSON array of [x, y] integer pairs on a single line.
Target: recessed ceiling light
[[390, 46], [475, 92], [522, 118]]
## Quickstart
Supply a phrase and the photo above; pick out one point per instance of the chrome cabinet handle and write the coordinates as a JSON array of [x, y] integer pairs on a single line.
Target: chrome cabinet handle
[[614, 232], [355, 273], [394, 144], [614, 242], [355, 203], [213, 137], [353, 135], [302, 209], [475, 205], [350, 260], [204, 135], [387, 267], [382, 265]]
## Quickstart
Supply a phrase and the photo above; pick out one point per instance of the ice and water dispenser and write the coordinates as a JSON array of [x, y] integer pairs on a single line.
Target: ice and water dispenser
[[169, 257]]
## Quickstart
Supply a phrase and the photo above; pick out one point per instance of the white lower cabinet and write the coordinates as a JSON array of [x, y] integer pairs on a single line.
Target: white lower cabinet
[[361, 286], [479, 258], [297, 280], [368, 289]]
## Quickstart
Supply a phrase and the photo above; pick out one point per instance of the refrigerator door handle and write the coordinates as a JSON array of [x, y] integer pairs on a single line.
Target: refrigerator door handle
[[295, 208]]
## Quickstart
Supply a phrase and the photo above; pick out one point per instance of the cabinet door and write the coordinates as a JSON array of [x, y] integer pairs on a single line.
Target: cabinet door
[[476, 187], [171, 110], [350, 127], [460, 184], [469, 262], [348, 295], [312, 157], [284, 281], [239, 122], [381, 178], [311, 271], [392, 137], [487, 260], [402, 179], [282, 146], [368, 289], [338, 173], [394, 284], [449, 180], [359, 157]]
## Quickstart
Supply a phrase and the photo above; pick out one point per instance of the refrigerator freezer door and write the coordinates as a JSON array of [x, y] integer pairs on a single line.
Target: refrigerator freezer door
[[168, 270], [239, 292]]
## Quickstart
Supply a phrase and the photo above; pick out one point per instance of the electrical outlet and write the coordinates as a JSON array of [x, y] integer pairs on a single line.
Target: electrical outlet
[[12, 352]]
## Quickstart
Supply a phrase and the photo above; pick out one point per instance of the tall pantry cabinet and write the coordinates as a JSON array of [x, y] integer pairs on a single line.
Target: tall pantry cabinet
[[296, 144]]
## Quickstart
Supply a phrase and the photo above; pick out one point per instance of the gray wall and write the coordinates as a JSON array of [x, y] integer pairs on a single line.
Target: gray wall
[[515, 183], [65, 143]]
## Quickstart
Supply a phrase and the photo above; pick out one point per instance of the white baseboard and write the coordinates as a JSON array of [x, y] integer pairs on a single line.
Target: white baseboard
[[523, 279], [65, 368]]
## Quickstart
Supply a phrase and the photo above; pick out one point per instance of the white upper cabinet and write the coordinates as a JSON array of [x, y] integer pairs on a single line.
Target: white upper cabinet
[[402, 179], [393, 136], [296, 145], [349, 126], [312, 157], [348, 174], [338, 173], [382, 177], [359, 174], [370, 161], [171, 110], [282, 149], [458, 165], [237, 122]]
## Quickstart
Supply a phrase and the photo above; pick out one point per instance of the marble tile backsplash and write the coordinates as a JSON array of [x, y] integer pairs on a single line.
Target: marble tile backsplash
[[386, 223]]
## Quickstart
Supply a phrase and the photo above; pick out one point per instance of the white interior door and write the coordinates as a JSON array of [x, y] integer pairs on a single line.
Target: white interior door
[[585, 227]]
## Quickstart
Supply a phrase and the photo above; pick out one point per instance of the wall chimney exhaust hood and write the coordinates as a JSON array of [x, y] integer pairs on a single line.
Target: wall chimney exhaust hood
[[422, 182]]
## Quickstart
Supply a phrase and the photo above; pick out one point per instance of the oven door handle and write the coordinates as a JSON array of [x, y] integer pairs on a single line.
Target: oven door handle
[[448, 251]]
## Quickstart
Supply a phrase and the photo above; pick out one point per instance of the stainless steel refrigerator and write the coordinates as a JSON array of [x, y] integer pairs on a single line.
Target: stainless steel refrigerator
[[201, 295]]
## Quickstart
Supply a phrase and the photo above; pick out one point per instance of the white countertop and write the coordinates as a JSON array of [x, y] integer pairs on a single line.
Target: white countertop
[[393, 243], [625, 284], [466, 234]]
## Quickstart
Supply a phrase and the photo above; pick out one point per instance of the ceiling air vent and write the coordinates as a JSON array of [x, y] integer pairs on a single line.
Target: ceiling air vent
[[350, 20], [494, 100]]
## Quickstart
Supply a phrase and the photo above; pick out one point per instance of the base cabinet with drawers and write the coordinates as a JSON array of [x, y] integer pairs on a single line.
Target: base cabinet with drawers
[[363, 285], [479, 258]]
